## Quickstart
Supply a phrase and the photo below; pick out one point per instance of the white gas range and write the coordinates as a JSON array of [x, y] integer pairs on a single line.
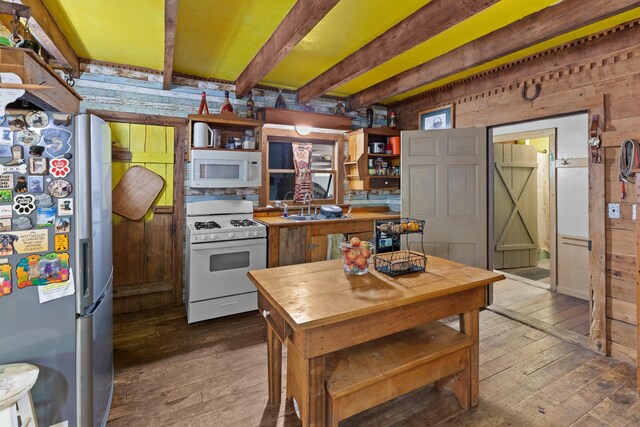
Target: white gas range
[[223, 244]]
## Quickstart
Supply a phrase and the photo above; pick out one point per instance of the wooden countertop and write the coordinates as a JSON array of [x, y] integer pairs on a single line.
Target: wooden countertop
[[278, 221], [320, 293]]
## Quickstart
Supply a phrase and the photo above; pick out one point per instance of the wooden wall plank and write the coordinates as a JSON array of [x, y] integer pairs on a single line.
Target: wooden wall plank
[[137, 138], [120, 135]]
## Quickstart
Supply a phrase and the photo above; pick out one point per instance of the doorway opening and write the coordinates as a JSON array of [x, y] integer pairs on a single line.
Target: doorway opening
[[539, 226]]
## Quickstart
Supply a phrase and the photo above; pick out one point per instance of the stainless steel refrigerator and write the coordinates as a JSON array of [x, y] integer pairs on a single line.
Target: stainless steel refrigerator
[[69, 337]]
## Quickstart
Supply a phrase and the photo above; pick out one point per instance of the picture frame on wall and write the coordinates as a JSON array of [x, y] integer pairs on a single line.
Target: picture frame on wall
[[436, 118]]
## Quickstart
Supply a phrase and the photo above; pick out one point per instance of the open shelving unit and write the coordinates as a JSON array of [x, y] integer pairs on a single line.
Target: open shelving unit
[[356, 165]]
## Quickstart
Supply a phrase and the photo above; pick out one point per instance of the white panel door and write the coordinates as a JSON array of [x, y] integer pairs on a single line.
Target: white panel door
[[444, 182]]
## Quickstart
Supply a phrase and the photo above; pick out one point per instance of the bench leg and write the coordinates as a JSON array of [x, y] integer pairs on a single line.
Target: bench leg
[[333, 416], [459, 384], [274, 363]]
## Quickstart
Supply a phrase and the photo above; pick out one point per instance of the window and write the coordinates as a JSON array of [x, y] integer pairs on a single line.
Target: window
[[280, 179]]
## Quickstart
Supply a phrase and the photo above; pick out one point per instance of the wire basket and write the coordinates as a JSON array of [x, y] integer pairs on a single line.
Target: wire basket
[[401, 226], [400, 262]]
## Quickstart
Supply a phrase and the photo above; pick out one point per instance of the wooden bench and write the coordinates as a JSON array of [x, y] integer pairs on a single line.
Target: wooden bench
[[364, 376]]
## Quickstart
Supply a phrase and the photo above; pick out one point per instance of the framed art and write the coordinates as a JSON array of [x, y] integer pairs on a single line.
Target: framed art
[[436, 118]]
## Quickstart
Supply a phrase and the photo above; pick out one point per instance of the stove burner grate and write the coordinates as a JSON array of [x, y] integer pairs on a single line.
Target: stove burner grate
[[243, 223], [206, 225]]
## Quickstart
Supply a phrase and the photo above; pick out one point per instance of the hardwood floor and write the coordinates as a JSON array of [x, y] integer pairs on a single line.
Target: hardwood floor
[[562, 311], [214, 374]]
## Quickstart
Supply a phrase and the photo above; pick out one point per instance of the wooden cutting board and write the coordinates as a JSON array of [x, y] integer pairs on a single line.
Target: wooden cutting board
[[136, 191]]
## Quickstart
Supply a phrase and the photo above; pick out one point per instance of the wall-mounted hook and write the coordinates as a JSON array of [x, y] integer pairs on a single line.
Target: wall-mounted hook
[[564, 162]]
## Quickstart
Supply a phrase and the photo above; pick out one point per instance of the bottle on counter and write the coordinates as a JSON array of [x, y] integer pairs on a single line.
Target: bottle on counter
[[226, 104]]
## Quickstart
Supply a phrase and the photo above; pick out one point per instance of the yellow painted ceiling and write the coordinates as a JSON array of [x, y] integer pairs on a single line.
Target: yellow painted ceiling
[[123, 31], [218, 38]]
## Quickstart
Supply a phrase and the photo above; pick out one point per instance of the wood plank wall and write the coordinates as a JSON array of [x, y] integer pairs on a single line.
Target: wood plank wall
[[143, 249], [598, 74]]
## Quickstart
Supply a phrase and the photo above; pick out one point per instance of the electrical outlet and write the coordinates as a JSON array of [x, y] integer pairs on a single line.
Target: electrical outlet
[[633, 212], [614, 210]]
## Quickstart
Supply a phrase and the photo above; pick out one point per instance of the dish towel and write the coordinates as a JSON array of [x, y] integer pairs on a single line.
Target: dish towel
[[302, 164]]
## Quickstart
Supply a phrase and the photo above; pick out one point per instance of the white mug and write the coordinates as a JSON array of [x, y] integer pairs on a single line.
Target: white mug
[[201, 138]]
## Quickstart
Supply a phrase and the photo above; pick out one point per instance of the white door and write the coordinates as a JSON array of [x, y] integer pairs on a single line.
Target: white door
[[444, 182]]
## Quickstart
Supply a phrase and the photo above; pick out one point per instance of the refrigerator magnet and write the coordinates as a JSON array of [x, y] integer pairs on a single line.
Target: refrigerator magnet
[[6, 211], [24, 204], [38, 166], [11, 169], [5, 280], [6, 244], [61, 242], [46, 217], [60, 167], [6, 196], [56, 141], [21, 223], [6, 182], [16, 122], [6, 141], [65, 207], [61, 119], [43, 200], [5, 225], [37, 119], [31, 241], [28, 137], [17, 156], [40, 270], [63, 224], [36, 184], [21, 185], [59, 188]]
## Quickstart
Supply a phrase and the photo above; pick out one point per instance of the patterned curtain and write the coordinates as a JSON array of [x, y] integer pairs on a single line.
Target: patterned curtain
[[302, 164]]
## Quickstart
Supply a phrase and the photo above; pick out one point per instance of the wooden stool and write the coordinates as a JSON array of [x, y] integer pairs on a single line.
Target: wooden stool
[[364, 376], [16, 381]]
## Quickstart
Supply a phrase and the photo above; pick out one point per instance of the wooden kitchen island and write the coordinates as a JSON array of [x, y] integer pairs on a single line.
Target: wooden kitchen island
[[292, 242], [317, 310]]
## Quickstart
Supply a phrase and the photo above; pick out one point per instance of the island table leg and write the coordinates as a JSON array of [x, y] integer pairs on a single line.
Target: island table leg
[[274, 363]]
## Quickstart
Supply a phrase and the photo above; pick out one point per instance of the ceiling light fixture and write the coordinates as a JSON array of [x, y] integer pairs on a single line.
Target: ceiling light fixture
[[303, 130]]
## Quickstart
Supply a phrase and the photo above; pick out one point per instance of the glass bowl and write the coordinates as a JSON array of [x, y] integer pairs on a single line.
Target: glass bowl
[[356, 257]]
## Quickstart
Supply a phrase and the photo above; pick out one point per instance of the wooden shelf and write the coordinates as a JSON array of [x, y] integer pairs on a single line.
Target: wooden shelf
[[303, 118], [228, 124], [221, 149], [358, 170], [226, 119]]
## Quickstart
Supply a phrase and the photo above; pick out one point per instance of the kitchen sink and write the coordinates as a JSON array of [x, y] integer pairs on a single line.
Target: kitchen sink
[[304, 217]]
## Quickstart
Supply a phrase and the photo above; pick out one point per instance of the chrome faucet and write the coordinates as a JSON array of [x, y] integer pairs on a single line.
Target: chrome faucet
[[304, 201]]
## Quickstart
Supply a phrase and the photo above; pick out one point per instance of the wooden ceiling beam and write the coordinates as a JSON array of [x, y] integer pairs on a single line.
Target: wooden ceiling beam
[[170, 24], [427, 22], [536, 28], [50, 36], [303, 16]]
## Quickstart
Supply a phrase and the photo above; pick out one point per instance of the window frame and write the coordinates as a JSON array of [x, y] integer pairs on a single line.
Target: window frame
[[274, 135]]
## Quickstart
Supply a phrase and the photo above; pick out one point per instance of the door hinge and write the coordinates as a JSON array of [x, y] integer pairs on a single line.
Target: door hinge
[[312, 246], [589, 245]]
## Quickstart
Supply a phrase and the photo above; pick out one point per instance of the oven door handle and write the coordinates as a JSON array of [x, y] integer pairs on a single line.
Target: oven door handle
[[228, 244]]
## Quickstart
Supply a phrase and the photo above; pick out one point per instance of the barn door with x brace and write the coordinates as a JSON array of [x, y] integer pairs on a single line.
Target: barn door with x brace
[[515, 206]]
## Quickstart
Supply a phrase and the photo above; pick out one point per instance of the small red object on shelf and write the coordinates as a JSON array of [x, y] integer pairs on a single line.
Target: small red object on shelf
[[226, 104], [204, 108]]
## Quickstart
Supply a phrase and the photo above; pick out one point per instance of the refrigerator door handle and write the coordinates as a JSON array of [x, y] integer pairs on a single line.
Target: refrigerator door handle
[[85, 275]]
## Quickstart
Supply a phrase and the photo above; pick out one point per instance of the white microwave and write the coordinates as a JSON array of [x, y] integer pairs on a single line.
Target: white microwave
[[225, 168]]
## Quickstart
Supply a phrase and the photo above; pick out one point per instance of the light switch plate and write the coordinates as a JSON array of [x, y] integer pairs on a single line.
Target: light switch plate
[[614, 210], [633, 212]]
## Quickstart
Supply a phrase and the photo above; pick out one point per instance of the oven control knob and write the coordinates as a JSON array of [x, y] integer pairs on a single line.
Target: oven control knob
[[231, 235], [255, 233], [197, 238], [212, 237], [247, 233]]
